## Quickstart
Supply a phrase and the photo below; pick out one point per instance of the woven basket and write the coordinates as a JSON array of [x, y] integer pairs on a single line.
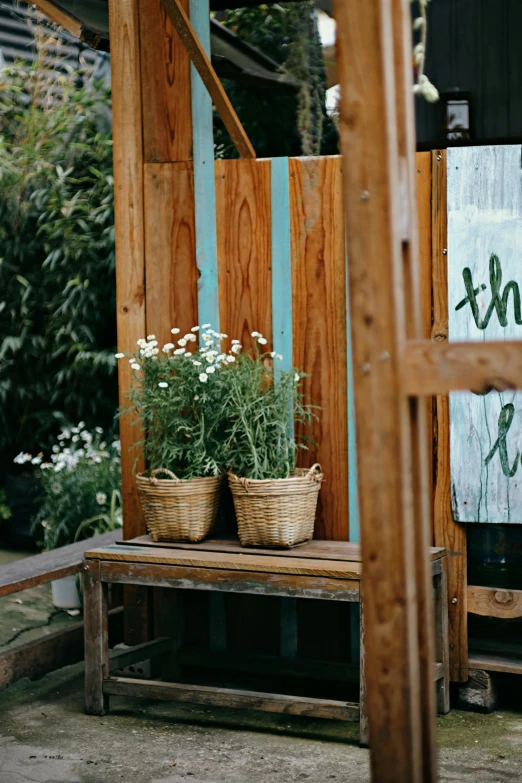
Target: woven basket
[[177, 509], [276, 512]]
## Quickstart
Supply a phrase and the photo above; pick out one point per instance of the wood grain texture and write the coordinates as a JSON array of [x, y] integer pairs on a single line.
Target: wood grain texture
[[319, 327], [226, 697], [230, 581], [489, 662], [170, 247], [438, 368], [165, 71], [199, 58], [442, 639], [244, 248], [376, 140], [129, 228], [447, 532], [60, 17], [317, 549], [42, 568], [484, 246], [493, 602], [274, 565], [95, 639]]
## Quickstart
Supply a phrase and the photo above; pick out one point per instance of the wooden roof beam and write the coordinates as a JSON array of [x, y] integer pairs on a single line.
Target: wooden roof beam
[[209, 77]]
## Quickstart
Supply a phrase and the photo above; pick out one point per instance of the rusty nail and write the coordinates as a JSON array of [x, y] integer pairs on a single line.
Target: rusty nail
[[454, 600]]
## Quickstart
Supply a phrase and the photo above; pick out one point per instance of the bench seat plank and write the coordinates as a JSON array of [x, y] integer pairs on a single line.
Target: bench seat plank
[[274, 564], [320, 550], [38, 569]]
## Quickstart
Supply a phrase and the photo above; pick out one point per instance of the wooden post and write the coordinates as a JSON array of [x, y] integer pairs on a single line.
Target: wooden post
[[376, 122]]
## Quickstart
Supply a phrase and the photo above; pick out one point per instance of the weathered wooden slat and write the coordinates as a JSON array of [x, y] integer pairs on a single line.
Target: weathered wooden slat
[[322, 550], [61, 648], [442, 639], [244, 248], [265, 564], [60, 17], [250, 582], [38, 569], [490, 662], [319, 327], [165, 72], [119, 659], [209, 77], [129, 229], [495, 602], [95, 640], [226, 697], [447, 532], [171, 273], [438, 368]]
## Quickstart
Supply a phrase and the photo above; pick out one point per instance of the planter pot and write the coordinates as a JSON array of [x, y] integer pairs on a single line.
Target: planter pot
[[177, 509], [65, 593], [276, 512]]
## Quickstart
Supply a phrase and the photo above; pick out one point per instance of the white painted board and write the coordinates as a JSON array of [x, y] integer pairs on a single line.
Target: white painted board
[[484, 288]]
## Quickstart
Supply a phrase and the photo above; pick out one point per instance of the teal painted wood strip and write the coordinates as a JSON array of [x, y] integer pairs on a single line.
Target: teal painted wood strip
[[281, 263], [204, 187]]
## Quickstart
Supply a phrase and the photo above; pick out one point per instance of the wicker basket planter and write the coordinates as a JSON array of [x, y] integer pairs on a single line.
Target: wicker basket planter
[[177, 509], [276, 512]]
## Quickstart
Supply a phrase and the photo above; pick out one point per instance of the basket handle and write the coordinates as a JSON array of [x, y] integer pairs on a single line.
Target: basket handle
[[315, 473], [163, 470]]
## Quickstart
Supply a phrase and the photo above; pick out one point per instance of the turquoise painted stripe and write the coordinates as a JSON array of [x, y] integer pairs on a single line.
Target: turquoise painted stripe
[[281, 263], [204, 188]]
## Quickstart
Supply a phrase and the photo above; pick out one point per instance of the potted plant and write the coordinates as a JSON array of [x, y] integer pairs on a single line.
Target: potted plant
[[178, 395], [275, 501], [81, 497]]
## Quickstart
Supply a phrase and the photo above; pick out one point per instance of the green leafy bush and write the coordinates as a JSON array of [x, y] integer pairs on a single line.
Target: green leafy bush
[[57, 262], [81, 487], [204, 411]]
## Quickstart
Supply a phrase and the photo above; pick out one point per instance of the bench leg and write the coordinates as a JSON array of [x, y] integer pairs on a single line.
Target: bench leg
[[364, 740], [96, 626], [442, 637]]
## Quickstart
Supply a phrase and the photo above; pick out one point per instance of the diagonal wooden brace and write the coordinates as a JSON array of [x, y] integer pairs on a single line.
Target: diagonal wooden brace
[[209, 77]]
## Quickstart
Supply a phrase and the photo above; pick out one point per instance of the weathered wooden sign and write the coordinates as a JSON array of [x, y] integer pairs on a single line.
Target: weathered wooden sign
[[484, 298]]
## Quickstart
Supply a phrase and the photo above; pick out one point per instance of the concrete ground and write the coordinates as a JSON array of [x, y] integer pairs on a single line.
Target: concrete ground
[[45, 737]]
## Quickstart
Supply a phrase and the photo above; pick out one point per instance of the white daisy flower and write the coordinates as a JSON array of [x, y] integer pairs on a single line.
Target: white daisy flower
[[196, 397], [182, 342], [236, 348], [195, 329], [262, 340], [119, 355], [230, 359], [180, 351], [151, 337], [205, 326], [36, 460], [207, 337], [175, 330], [101, 498], [190, 337], [141, 342], [135, 366], [163, 385], [297, 377], [196, 363], [235, 342], [223, 336], [168, 347], [210, 370], [98, 430], [203, 377], [255, 334], [279, 357]]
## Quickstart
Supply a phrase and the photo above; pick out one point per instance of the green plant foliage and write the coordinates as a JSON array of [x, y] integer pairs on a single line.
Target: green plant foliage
[[281, 122], [81, 487], [57, 262]]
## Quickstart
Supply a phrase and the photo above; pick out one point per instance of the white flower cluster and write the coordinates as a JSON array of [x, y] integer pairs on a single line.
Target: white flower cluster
[[83, 445]]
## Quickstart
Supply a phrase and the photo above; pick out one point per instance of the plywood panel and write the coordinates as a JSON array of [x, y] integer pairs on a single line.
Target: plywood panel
[[484, 249], [165, 66], [170, 249], [319, 325], [244, 248]]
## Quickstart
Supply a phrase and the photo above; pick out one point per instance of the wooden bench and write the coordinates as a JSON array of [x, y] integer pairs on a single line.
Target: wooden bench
[[61, 648], [324, 570]]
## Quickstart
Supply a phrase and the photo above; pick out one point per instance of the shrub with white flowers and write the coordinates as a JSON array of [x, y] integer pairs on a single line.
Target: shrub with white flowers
[[205, 410], [81, 486], [179, 395]]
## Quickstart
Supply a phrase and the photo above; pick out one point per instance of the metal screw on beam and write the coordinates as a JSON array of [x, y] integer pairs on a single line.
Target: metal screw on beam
[[365, 196], [445, 251], [454, 600], [366, 368]]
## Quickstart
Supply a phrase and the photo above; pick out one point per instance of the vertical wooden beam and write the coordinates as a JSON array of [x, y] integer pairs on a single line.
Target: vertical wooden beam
[[128, 207], [448, 533], [377, 143]]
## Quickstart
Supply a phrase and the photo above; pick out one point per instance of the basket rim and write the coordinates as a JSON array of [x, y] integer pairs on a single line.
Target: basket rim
[[156, 480], [305, 474]]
